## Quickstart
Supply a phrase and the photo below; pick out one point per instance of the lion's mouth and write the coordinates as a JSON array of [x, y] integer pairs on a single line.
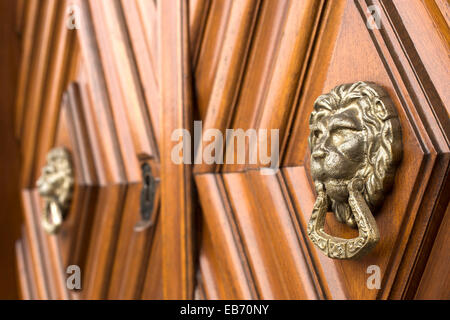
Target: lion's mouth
[[337, 182], [337, 189]]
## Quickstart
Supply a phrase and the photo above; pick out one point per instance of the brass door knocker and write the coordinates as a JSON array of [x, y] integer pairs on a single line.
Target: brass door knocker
[[55, 185], [355, 144]]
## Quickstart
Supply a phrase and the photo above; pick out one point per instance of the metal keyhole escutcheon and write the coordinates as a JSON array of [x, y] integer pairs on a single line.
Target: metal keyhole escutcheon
[[147, 200]]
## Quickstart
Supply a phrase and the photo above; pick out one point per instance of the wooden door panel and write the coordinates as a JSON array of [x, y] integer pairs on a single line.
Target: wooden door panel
[[230, 68], [122, 82], [106, 91], [131, 89], [249, 91], [151, 287], [107, 121], [222, 253], [344, 67], [278, 209], [287, 61], [148, 11], [44, 73], [198, 16], [52, 254], [424, 149], [100, 132], [30, 16], [434, 283], [43, 254], [256, 236], [104, 240], [88, 223], [71, 134], [206, 60], [143, 43], [423, 23], [216, 279], [26, 279], [271, 60], [271, 240], [63, 65], [133, 248], [177, 211], [271, 25], [37, 271], [113, 92], [37, 76]]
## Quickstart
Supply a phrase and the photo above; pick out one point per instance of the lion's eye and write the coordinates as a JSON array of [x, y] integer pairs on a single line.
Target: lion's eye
[[342, 135], [317, 133]]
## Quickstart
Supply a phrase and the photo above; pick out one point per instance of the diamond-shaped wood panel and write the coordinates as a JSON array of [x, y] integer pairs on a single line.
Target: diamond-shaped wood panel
[[267, 216]]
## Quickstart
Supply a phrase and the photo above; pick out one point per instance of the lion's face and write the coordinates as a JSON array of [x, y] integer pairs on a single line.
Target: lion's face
[[338, 149], [355, 133]]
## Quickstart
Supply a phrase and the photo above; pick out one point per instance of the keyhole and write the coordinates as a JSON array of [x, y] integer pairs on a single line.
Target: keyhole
[[147, 198], [147, 187]]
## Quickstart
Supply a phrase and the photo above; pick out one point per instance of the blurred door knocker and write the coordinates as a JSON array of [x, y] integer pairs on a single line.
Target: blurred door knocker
[[355, 143], [55, 186]]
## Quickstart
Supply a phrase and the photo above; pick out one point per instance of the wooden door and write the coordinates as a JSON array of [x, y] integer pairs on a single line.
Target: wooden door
[[112, 80], [273, 63], [97, 96]]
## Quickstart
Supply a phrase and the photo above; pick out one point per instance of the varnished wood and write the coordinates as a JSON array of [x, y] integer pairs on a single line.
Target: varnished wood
[[276, 68], [176, 180], [26, 279], [208, 57], [31, 15], [230, 68], [122, 81], [434, 283], [147, 68], [427, 147], [23, 272], [64, 55], [345, 75], [152, 283], [100, 100], [10, 203], [198, 15], [38, 76], [237, 282], [114, 91]]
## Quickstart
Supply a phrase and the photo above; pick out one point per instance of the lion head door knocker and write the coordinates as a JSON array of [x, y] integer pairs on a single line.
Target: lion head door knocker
[[355, 144], [55, 186]]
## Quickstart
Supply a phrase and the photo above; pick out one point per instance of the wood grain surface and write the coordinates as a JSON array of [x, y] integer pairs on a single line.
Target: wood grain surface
[[10, 195], [113, 92], [176, 179]]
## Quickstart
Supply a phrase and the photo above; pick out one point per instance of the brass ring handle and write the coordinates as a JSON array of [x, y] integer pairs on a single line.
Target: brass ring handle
[[339, 248], [52, 217]]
